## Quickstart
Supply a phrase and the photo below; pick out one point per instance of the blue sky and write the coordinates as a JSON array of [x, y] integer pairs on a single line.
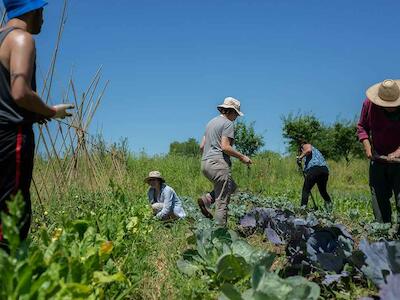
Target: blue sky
[[171, 62]]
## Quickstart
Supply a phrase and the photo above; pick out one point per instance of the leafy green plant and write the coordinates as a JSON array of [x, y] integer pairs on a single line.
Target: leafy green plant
[[381, 259], [267, 285], [73, 262], [221, 256]]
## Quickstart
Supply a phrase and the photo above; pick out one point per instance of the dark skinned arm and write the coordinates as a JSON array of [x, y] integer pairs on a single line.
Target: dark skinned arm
[[22, 59]]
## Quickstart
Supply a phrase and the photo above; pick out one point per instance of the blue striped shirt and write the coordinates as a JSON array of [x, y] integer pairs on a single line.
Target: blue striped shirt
[[171, 201], [315, 159]]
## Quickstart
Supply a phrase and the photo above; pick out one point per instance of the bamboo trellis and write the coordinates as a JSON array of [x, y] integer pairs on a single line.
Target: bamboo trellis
[[64, 151]]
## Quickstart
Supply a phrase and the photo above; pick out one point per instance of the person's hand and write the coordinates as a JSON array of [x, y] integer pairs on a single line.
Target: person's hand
[[368, 152], [367, 149], [394, 155], [246, 160], [43, 121], [61, 111], [40, 119]]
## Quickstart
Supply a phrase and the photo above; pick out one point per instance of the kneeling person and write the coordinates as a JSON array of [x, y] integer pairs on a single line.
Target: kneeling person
[[164, 201]]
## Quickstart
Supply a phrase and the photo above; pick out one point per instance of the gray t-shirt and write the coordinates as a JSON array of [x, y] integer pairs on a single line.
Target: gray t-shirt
[[215, 130]]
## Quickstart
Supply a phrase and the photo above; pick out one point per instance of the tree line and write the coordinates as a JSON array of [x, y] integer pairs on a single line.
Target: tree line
[[336, 141]]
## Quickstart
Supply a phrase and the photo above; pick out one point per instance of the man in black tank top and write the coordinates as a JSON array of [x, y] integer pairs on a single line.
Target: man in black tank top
[[20, 105]]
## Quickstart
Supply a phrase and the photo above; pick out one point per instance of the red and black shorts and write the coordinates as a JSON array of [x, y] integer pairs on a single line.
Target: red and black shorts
[[17, 146]]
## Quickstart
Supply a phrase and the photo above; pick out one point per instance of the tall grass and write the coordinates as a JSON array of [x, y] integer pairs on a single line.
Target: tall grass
[[270, 175]]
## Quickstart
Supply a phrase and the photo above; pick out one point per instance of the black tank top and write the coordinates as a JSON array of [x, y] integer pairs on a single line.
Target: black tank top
[[11, 114]]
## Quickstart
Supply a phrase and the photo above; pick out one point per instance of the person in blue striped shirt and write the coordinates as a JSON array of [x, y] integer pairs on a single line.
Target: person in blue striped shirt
[[315, 172], [164, 201]]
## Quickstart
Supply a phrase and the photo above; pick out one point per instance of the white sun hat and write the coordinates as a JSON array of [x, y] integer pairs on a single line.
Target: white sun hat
[[232, 103]]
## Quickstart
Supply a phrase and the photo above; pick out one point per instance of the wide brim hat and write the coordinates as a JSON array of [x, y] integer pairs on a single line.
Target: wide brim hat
[[385, 93], [154, 175], [230, 102], [16, 8]]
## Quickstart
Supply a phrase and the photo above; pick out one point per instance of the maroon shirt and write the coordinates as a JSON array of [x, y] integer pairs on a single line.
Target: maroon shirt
[[383, 132]]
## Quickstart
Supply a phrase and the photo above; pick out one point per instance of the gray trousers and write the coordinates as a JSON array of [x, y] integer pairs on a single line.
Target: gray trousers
[[219, 173], [384, 180]]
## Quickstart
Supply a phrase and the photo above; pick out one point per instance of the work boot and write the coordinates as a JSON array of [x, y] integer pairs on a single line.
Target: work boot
[[205, 204]]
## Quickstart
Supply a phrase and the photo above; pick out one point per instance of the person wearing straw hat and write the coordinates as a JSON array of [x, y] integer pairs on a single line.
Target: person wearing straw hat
[[20, 105], [164, 201], [217, 149], [379, 131]]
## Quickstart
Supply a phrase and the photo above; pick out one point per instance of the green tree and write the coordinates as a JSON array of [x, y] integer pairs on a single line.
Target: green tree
[[189, 148], [299, 127], [345, 140], [335, 141], [247, 141]]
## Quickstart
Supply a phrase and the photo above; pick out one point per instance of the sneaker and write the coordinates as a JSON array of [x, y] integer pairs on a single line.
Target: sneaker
[[204, 207]]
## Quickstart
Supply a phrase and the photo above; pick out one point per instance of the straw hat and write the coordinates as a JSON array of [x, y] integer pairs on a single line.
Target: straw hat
[[385, 94], [233, 103], [154, 175]]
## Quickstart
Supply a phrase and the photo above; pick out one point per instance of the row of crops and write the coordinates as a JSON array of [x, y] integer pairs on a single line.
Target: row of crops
[[322, 258], [77, 259], [270, 250]]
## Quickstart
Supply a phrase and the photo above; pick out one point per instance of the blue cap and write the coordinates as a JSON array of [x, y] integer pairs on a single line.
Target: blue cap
[[16, 8]]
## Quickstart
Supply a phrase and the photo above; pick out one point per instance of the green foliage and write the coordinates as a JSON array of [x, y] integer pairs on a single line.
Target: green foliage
[[247, 141], [345, 141], [266, 285], [11, 223], [221, 256], [146, 252], [74, 262], [295, 128], [335, 142], [188, 148]]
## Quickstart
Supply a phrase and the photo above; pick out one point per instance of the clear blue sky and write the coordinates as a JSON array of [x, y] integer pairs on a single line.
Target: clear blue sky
[[171, 62]]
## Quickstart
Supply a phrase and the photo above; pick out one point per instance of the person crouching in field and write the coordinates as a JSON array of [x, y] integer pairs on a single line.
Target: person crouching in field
[[379, 125], [315, 172], [216, 164], [164, 201]]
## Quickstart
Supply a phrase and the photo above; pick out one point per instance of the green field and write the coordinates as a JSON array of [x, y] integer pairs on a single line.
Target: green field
[[125, 254]]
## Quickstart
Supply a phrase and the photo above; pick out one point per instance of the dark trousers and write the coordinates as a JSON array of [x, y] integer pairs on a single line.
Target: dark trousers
[[384, 181], [319, 176], [17, 147]]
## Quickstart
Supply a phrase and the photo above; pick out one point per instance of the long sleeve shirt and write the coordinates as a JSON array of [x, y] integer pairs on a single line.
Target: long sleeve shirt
[[171, 201], [380, 126]]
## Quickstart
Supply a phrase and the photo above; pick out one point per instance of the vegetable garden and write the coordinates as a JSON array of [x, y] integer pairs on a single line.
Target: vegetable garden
[[93, 235], [105, 244]]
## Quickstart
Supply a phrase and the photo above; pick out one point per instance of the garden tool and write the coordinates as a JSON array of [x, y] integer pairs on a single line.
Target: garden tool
[[386, 159]]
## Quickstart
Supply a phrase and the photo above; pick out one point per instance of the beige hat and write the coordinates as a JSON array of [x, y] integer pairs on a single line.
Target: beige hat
[[385, 94], [154, 174], [233, 103]]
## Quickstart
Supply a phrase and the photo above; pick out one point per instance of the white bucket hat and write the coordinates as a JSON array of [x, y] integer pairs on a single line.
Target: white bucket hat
[[385, 93], [233, 103], [154, 175]]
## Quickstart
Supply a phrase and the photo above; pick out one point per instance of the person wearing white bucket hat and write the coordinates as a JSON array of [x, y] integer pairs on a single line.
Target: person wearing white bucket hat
[[379, 131], [217, 149], [164, 201]]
